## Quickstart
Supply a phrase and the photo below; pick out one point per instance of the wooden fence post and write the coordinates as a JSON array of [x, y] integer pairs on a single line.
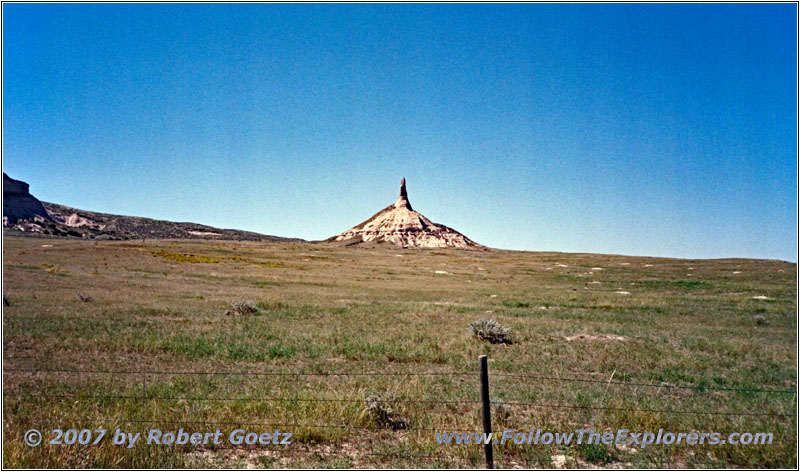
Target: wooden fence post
[[486, 406]]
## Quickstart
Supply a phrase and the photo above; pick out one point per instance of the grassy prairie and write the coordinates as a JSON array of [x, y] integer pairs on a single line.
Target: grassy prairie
[[597, 339]]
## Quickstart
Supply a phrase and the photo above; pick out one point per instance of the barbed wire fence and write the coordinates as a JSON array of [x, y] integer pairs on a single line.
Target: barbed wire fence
[[478, 408]]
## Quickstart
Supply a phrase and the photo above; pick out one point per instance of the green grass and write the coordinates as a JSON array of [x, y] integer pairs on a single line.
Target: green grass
[[159, 308]]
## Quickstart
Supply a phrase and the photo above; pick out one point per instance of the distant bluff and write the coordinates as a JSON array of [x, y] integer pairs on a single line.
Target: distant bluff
[[24, 213], [19, 204]]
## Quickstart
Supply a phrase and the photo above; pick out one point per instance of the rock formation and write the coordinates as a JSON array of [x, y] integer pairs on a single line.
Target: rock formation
[[23, 212], [19, 204], [399, 224]]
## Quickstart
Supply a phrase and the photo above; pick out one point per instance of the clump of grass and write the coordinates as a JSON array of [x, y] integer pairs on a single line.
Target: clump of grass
[[599, 454], [500, 410], [243, 308], [85, 298], [190, 258], [272, 264], [516, 304], [381, 409], [490, 331], [760, 320]]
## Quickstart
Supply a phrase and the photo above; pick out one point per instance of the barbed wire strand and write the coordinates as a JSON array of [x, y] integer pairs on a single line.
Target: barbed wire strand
[[638, 384], [448, 428], [532, 404], [645, 410], [245, 373], [400, 374], [231, 399]]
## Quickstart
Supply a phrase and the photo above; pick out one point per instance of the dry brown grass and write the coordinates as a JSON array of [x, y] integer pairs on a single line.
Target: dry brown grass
[[329, 309]]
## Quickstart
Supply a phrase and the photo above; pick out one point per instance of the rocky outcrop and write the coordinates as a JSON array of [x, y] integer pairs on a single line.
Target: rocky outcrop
[[400, 225], [24, 213], [94, 225], [19, 204]]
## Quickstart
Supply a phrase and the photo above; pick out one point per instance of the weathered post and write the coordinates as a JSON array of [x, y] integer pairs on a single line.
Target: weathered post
[[486, 406]]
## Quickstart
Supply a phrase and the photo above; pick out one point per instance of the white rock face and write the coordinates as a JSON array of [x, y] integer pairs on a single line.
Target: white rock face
[[399, 224], [74, 220]]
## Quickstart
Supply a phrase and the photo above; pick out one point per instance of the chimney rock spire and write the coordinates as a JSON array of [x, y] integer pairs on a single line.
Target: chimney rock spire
[[402, 200], [399, 225]]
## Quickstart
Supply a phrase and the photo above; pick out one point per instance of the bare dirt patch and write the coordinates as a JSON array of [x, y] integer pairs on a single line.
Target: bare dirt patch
[[597, 337]]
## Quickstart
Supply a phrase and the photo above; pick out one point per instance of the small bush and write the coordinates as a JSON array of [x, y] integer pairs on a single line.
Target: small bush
[[381, 409], [501, 412], [516, 304], [243, 308], [599, 454], [491, 331], [760, 320]]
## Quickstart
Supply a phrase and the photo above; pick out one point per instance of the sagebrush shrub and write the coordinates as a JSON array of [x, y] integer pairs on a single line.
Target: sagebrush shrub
[[243, 307], [490, 331], [381, 408]]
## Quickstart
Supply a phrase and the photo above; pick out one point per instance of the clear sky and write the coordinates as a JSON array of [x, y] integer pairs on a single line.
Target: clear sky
[[661, 130]]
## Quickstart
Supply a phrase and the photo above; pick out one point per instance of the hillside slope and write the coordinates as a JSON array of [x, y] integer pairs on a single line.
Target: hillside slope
[[69, 221]]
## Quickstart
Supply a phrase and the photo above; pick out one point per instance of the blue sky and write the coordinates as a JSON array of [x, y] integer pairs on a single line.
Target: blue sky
[[661, 130]]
